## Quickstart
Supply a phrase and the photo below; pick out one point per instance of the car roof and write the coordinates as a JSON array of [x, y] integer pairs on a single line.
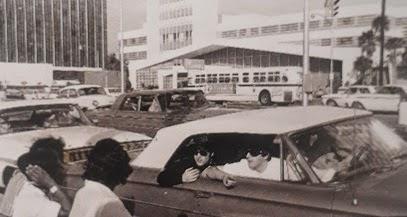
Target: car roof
[[264, 121], [80, 86], [170, 91], [23, 103]]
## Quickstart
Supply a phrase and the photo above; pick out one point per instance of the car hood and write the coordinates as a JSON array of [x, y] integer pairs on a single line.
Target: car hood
[[384, 194], [15, 144]]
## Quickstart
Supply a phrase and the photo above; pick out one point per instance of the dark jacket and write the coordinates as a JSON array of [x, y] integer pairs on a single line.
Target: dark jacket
[[172, 173]]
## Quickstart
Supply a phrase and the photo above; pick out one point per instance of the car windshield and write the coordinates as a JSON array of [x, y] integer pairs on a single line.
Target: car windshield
[[352, 147], [92, 91], [40, 117]]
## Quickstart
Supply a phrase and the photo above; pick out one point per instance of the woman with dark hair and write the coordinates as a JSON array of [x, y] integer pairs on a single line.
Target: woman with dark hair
[[107, 166], [44, 172], [18, 178]]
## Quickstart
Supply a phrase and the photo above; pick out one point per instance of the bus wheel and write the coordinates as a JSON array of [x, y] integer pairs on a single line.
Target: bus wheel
[[265, 98]]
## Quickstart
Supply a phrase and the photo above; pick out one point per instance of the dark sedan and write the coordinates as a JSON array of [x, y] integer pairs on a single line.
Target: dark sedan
[[147, 111]]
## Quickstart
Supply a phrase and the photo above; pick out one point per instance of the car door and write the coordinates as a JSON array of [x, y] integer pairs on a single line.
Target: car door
[[260, 196]]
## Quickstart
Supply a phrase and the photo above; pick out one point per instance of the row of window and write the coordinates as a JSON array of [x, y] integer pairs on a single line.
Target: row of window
[[135, 55], [176, 13], [339, 42], [162, 2], [135, 41], [258, 77], [365, 20]]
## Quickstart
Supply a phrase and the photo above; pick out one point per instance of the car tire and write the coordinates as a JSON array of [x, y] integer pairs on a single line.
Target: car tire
[[331, 102], [265, 98], [358, 105]]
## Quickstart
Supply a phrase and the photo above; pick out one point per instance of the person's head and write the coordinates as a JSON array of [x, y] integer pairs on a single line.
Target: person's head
[[202, 155], [50, 143], [47, 159], [257, 157], [4, 126], [108, 164]]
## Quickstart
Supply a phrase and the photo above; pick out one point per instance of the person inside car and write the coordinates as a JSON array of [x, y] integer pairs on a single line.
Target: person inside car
[[189, 169], [4, 127], [258, 163]]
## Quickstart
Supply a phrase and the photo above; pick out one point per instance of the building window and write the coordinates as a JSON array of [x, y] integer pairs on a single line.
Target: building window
[[269, 29], [246, 77], [346, 21]]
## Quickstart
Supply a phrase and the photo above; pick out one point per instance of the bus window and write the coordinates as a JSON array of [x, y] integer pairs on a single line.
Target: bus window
[[235, 78], [209, 78], [284, 78], [227, 78], [263, 77], [277, 77], [246, 77], [256, 77], [214, 78], [221, 78], [270, 77]]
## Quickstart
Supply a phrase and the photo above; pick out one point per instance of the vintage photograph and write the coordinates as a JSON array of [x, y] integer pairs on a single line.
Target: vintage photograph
[[203, 108]]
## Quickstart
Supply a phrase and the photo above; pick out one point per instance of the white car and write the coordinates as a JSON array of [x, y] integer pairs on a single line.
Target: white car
[[113, 91], [21, 122], [344, 93], [386, 99], [88, 97]]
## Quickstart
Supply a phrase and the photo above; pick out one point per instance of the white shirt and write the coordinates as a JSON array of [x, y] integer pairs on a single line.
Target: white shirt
[[32, 202], [96, 200], [241, 168]]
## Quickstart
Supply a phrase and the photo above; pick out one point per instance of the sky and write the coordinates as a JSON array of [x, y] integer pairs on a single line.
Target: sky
[[134, 11]]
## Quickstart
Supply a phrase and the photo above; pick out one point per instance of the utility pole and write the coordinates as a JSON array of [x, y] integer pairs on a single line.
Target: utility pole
[[121, 48], [382, 24], [305, 63]]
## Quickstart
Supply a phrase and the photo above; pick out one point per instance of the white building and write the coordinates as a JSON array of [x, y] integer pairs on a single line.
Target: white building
[[176, 30]]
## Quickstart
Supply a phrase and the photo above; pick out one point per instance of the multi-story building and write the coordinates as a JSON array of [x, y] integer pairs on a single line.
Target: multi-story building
[[71, 35], [176, 30]]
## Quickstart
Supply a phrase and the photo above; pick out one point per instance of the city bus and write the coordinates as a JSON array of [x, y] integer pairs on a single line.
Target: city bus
[[267, 85]]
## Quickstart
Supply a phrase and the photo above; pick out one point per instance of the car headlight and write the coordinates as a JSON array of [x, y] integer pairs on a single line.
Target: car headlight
[[95, 103]]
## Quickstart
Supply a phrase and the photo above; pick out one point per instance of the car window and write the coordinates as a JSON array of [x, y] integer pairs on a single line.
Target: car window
[[384, 90], [351, 91], [364, 90], [92, 91], [39, 117], [130, 103], [234, 154], [340, 151]]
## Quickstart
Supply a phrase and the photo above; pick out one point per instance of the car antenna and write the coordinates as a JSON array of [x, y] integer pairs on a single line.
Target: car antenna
[[355, 201]]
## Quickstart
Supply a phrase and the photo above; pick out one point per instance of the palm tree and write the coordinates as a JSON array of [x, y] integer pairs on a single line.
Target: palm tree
[[392, 45], [362, 64], [377, 24], [367, 43]]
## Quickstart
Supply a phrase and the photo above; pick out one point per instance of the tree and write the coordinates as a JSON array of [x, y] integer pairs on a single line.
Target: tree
[[362, 64], [113, 63], [367, 43], [377, 24], [392, 45]]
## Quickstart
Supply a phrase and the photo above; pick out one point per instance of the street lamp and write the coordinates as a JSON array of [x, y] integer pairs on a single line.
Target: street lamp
[[121, 48], [305, 55]]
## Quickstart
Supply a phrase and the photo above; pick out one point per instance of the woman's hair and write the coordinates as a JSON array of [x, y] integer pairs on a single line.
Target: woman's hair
[[108, 163], [47, 159], [50, 143]]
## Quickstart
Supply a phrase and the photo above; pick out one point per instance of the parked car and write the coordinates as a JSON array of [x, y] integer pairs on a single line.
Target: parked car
[[147, 111], [23, 121], [344, 93], [371, 183], [386, 99], [113, 91], [88, 97]]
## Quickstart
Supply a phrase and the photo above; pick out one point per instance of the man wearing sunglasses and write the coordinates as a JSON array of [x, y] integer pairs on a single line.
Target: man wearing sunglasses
[[189, 169], [258, 163]]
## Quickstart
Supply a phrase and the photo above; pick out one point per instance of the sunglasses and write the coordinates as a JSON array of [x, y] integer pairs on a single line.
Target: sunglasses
[[202, 153], [254, 152]]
